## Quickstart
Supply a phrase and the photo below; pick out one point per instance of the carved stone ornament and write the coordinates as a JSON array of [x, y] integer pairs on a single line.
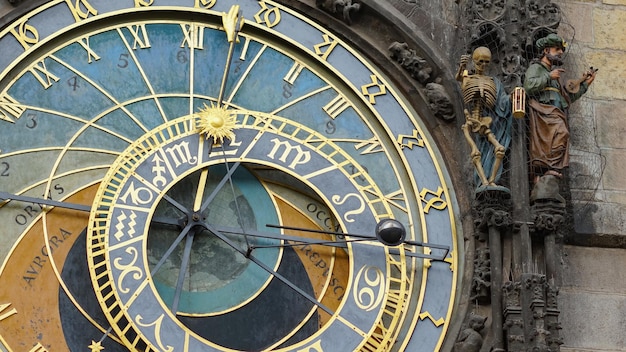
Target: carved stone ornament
[[439, 101], [410, 61], [470, 339], [342, 8]]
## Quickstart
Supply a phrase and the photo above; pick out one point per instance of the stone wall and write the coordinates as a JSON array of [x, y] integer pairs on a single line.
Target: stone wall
[[593, 291]]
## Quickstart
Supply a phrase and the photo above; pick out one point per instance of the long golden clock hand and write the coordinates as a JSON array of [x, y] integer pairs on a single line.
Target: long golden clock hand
[[232, 22]]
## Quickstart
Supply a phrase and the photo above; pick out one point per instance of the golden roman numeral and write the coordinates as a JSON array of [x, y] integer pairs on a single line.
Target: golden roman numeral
[[3, 314], [244, 50], [90, 53], [336, 106], [37, 69], [26, 34], [140, 36], [374, 89], [81, 9], [267, 16], [294, 72], [10, 108], [194, 36], [324, 48]]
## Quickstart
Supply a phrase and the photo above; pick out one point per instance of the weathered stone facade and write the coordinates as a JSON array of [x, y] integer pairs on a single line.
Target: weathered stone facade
[[591, 254]]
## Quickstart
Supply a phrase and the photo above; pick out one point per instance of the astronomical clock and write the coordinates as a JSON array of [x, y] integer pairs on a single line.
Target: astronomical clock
[[213, 175]]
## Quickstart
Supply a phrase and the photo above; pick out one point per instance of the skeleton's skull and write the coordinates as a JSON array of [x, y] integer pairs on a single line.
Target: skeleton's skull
[[482, 58]]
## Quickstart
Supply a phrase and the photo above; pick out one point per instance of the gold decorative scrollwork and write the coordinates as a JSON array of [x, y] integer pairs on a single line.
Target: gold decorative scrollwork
[[371, 295], [126, 269]]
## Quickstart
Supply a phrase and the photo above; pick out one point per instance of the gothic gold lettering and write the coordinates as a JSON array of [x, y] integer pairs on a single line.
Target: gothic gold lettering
[[267, 16], [26, 34], [411, 140], [374, 89], [326, 47], [81, 9], [206, 4], [435, 201], [143, 3]]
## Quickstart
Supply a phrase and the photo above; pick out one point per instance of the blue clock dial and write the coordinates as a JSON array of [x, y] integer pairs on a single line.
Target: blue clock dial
[[117, 106]]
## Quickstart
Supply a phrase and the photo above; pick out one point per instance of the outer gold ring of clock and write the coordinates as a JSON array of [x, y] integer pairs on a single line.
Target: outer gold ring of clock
[[100, 221]]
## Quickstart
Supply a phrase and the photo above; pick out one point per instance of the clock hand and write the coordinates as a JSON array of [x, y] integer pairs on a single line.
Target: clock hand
[[169, 251], [388, 233], [43, 201], [232, 21], [183, 271], [271, 271]]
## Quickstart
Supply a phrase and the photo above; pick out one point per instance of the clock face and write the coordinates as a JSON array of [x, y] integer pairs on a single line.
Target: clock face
[[229, 183]]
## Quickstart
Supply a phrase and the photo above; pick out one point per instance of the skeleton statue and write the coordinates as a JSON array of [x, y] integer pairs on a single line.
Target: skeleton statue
[[490, 116]]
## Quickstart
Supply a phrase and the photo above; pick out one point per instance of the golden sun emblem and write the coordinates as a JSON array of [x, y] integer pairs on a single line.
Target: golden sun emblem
[[217, 122]]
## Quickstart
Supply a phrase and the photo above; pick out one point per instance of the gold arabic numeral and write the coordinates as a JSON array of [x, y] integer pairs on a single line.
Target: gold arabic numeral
[[294, 72], [369, 288], [371, 145], [81, 9], [140, 36], [10, 108], [267, 16], [338, 200], [41, 73], [409, 141], [193, 36], [143, 3], [301, 156], [4, 313], [157, 330], [336, 106], [326, 47], [84, 42], [374, 89], [205, 4], [315, 347], [433, 199], [26, 34]]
